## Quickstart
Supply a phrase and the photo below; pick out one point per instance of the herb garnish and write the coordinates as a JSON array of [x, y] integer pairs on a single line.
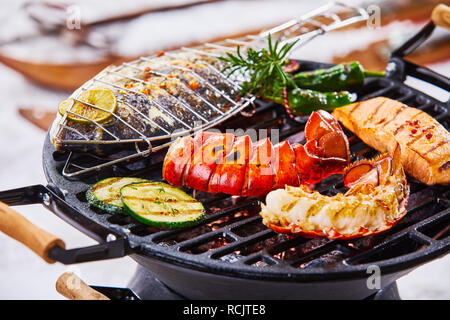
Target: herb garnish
[[265, 67]]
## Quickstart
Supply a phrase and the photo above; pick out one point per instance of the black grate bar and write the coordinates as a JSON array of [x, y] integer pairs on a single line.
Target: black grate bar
[[242, 242], [320, 252], [405, 241], [167, 235]]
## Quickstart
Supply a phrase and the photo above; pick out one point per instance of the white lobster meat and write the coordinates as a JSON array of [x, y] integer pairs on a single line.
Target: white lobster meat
[[375, 202]]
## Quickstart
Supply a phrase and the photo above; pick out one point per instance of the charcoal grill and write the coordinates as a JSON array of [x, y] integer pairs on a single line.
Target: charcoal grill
[[232, 255]]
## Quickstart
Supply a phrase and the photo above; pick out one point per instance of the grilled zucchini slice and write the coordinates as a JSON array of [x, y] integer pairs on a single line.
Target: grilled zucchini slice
[[105, 194], [161, 205]]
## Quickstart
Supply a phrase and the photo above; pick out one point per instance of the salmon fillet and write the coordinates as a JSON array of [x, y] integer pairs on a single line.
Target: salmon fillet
[[382, 122]]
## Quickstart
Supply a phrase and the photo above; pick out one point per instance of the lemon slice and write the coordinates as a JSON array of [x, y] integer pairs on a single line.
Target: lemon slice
[[102, 98]]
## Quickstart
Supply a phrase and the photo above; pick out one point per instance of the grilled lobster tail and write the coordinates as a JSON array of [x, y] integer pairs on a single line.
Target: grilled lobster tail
[[376, 200], [216, 162]]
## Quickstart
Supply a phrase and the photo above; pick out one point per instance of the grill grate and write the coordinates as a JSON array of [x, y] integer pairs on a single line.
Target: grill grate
[[233, 240]]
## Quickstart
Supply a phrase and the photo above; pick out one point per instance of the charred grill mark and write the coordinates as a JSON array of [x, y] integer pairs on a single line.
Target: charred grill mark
[[374, 113], [405, 124], [423, 132], [159, 199], [168, 212], [106, 183], [356, 106], [419, 154], [109, 200], [378, 108], [440, 144], [403, 107], [290, 205], [399, 129], [445, 166]]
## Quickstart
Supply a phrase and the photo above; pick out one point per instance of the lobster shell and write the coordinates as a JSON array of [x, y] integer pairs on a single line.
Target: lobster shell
[[216, 162]]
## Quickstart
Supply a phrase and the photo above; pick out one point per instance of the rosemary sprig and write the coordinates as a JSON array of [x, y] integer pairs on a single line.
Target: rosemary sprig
[[265, 67]]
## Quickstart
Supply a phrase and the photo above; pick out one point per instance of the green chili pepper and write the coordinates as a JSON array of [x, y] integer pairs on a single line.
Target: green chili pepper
[[347, 76], [305, 101]]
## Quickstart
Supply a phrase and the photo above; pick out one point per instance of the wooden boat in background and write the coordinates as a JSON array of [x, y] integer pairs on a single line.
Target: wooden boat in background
[[69, 76], [58, 76]]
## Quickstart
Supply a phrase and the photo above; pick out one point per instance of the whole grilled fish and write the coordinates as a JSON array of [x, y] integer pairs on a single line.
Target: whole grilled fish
[[156, 96]]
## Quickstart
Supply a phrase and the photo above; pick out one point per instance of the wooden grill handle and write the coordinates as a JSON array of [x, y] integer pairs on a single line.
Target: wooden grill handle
[[21, 229], [441, 16], [73, 288]]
